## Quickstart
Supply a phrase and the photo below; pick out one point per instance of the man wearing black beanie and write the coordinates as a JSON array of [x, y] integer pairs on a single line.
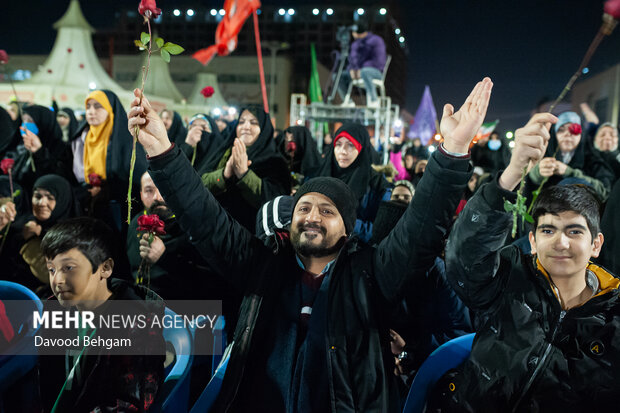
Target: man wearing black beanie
[[312, 334]]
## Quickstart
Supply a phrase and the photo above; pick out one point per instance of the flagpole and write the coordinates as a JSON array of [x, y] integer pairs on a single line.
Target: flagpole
[[259, 55]]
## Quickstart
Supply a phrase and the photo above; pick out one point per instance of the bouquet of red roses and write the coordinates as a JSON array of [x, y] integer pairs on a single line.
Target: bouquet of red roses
[[151, 225]]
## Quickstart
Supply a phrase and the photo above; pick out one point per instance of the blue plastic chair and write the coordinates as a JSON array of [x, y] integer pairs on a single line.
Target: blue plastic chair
[[175, 391], [448, 356], [20, 357], [209, 394]]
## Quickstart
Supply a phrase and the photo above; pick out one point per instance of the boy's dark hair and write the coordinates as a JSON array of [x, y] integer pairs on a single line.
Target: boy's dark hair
[[90, 236], [577, 198]]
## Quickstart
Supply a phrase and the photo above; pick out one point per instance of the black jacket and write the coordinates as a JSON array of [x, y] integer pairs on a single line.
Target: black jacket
[[529, 355], [358, 360], [104, 381]]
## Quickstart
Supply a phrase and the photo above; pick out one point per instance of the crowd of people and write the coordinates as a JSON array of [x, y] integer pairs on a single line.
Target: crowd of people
[[338, 275]]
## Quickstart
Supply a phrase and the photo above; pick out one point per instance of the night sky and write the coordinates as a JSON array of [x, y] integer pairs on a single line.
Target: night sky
[[529, 48]]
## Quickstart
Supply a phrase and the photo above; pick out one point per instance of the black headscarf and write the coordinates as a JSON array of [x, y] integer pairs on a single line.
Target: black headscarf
[[118, 155], [306, 158], [50, 133], [177, 131], [359, 175], [209, 141], [9, 133], [585, 158], [73, 123], [262, 150], [60, 188]]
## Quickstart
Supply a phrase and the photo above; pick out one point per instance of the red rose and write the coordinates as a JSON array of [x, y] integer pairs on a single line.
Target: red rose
[[612, 7], [150, 7], [4, 57], [94, 180], [575, 129], [151, 223], [207, 92], [7, 164], [291, 147]]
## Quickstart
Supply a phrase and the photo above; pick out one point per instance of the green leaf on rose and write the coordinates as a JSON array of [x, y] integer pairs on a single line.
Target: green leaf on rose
[[159, 42], [139, 44], [16, 193], [173, 49], [165, 55], [145, 38]]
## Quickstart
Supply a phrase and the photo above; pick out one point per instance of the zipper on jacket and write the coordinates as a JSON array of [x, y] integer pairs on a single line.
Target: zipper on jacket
[[541, 362]]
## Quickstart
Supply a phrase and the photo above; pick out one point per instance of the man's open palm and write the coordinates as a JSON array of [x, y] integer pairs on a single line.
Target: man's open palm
[[459, 128]]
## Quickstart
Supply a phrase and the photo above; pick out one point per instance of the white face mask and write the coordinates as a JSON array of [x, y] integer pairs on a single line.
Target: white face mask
[[495, 145]]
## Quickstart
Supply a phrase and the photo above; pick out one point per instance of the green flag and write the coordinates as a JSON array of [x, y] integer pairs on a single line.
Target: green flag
[[314, 93]]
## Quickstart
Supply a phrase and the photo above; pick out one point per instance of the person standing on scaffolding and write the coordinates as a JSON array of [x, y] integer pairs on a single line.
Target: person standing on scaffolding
[[366, 61]]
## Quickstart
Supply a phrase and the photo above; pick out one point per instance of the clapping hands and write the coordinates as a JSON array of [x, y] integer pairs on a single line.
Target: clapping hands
[[238, 163]]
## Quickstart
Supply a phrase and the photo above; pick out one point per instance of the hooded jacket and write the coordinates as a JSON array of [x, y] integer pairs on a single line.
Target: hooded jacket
[[529, 355], [354, 342]]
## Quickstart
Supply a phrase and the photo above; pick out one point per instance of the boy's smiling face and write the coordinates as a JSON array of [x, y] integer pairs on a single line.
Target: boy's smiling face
[[73, 282], [564, 244]]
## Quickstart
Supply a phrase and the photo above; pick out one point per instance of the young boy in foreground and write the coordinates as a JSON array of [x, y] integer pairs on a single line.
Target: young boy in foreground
[[550, 340], [80, 264]]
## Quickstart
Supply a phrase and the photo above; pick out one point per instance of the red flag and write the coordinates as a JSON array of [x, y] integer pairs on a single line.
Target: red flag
[[237, 11]]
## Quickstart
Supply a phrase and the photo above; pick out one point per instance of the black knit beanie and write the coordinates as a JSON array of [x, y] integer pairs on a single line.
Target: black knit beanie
[[336, 190]]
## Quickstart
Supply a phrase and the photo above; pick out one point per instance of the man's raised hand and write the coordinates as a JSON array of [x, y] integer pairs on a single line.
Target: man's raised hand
[[530, 146], [152, 131], [459, 128]]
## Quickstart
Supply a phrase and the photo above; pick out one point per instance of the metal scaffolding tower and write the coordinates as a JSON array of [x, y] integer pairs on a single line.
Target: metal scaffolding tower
[[314, 114]]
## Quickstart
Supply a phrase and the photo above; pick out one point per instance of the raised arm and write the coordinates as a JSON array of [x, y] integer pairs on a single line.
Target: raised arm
[[417, 239], [223, 242], [473, 249]]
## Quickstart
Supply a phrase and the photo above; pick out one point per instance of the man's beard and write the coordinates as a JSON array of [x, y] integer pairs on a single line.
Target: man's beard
[[307, 249], [161, 209]]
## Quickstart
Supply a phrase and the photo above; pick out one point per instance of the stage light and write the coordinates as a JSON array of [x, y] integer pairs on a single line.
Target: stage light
[[431, 149], [398, 123], [232, 110], [213, 12], [222, 12], [401, 39], [360, 11], [217, 112], [397, 31], [92, 86], [383, 11], [585, 70], [511, 144], [281, 12], [509, 135], [329, 11], [437, 136], [190, 12], [176, 12], [315, 12], [291, 12]]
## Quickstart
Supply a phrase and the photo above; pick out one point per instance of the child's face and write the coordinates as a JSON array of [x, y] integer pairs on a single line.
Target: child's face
[[72, 279], [564, 244]]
